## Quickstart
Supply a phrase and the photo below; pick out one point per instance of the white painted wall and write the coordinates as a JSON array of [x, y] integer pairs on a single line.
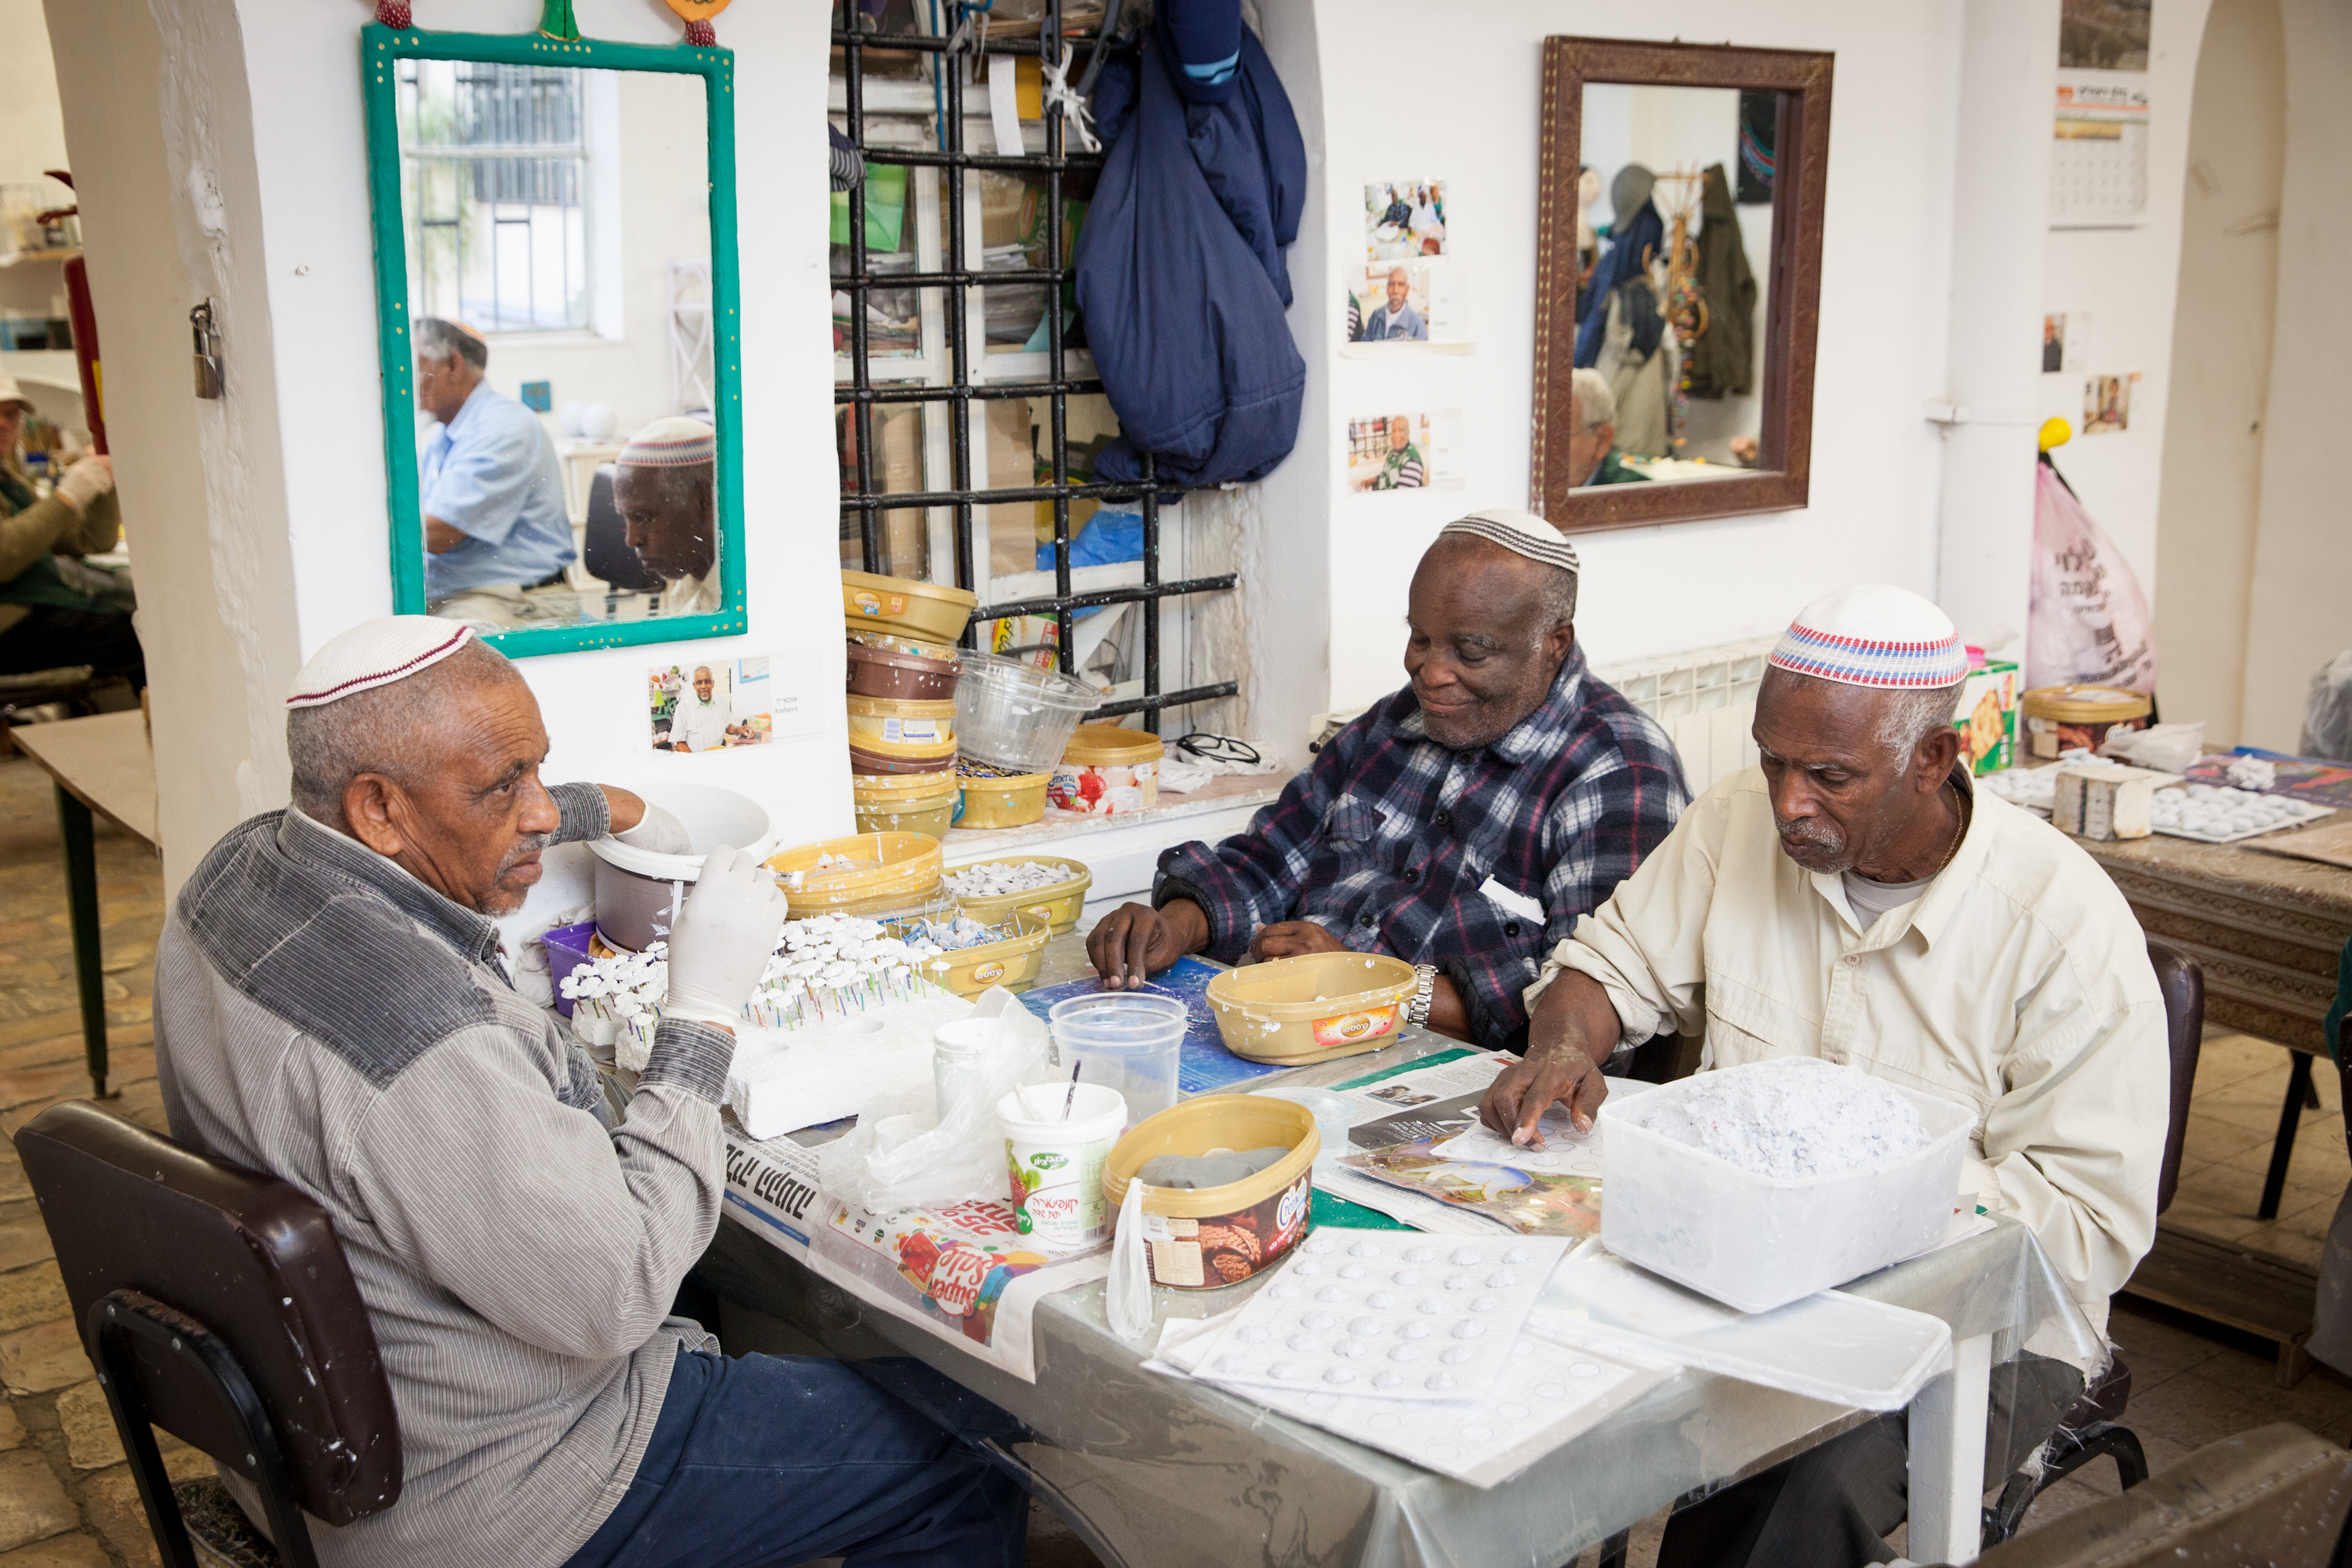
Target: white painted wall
[[274, 497], [2211, 504], [1471, 118], [2126, 280], [32, 130], [2303, 559]]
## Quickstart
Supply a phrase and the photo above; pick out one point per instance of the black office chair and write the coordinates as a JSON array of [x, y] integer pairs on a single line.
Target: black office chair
[[604, 543], [2092, 1428], [217, 1305]]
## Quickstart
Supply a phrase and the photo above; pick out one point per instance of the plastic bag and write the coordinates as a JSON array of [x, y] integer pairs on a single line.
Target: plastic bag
[[2327, 712], [899, 1157], [1127, 1299], [2089, 623]]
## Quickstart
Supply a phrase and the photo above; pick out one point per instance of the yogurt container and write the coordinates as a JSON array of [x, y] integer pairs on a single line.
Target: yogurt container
[[1056, 1163], [1106, 770]]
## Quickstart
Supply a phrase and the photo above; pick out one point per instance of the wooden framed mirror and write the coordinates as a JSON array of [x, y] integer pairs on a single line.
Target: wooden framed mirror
[[1696, 306], [557, 303]]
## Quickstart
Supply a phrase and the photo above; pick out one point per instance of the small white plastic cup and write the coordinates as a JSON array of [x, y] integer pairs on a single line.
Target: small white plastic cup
[[1056, 1163], [959, 1053]]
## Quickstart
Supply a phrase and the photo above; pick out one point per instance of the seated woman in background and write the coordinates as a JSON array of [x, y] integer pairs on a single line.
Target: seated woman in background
[[49, 615]]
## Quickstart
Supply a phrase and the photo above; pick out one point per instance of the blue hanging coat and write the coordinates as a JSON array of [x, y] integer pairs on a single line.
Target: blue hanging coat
[[1181, 278], [1641, 236]]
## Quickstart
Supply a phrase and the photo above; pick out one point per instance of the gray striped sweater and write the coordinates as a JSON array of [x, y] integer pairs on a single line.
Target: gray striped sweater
[[323, 1016]]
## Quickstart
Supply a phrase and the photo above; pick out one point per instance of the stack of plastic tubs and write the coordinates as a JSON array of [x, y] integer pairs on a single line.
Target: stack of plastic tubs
[[903, 670]]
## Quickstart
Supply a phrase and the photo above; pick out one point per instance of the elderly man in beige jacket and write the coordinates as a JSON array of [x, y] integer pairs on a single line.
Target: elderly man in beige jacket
[[1855, 898]]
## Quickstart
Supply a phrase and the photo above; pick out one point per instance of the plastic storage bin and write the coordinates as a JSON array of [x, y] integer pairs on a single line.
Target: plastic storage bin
[[1317, 1007], [1015, 715], [886, 672], [903, 867], [1002, 800], [925, 611], [1058, 903], [1127, 1040], [1759, 1242], [1216, 1237], [1106, 770], [900, 720]]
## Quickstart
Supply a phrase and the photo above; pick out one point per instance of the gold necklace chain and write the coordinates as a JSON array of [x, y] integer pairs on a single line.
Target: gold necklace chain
[[1960, 829]]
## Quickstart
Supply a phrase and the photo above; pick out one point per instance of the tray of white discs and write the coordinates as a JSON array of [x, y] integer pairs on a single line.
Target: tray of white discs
[[1759, 1183], [2215, 814], [1386, 1315]]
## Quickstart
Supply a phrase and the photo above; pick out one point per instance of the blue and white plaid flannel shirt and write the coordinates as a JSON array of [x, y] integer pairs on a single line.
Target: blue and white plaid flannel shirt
[[1387, 839]]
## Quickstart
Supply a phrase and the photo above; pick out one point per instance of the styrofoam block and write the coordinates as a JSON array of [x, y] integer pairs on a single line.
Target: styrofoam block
[[784, 1081]]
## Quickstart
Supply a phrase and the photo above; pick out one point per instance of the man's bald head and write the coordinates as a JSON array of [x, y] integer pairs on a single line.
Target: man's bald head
[[1487, 630]]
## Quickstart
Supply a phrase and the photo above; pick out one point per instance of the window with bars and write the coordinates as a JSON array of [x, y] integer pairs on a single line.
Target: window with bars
[[495, 160], [968, 412]]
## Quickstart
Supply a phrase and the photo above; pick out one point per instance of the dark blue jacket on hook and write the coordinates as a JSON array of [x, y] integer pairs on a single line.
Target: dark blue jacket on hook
[[1629, 253], [1180, 270]]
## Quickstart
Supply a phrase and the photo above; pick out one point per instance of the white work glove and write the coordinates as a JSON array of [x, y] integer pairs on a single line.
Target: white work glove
[[87, 481], [724, 938], [659, 833]]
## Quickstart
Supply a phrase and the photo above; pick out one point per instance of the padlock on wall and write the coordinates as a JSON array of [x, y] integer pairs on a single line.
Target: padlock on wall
[[209, 381]]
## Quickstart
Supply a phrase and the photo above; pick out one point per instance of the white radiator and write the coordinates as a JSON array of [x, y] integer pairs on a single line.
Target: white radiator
[[1705, 700]]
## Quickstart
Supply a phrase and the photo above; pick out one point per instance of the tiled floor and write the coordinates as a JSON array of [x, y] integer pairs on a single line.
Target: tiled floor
[[67, 1501]]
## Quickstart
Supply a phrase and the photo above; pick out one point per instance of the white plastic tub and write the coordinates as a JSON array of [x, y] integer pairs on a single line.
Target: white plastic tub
[[638, 890], [1759, 1242]]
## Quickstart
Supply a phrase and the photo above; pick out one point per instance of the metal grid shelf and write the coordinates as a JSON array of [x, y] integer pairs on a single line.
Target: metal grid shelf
[[862, 396]]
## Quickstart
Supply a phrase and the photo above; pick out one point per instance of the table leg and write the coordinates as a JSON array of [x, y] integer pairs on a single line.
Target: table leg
[[81, 906], [2298, 1090], [1947, 1443]]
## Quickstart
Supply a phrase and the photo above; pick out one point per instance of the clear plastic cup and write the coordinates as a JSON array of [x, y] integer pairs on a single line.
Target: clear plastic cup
[[1330, 1113], [1127, 1040]]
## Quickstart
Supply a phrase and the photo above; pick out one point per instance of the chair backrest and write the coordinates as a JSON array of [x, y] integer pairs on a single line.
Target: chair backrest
[[2183, 985], [2275, 1495], [251, 1258], [604, 540]]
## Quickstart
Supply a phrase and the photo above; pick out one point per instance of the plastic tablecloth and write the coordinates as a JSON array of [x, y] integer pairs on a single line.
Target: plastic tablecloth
[[1152, 1470]]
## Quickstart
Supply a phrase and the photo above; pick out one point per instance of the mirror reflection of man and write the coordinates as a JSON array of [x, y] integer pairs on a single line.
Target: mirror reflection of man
[[699, 722], [1397, 321], [487, 484], [1592, 456], [666, 490]]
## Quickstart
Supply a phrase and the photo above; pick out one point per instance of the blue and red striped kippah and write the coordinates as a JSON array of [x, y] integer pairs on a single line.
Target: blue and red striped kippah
[[1874, 634]]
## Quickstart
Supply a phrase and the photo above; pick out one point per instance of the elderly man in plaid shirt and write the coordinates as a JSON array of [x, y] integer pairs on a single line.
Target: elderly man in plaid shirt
[[1463, 825]]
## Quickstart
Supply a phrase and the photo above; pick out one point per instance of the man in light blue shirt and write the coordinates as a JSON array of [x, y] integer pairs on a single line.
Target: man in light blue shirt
[[1396, 322], [488, 485]]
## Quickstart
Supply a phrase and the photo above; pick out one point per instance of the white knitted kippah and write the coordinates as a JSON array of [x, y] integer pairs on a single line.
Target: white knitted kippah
[[1521, 532], [375, 653], [675, 442], [1874, 634]]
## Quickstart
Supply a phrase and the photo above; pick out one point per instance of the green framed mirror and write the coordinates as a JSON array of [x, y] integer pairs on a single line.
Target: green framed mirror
[[559, 330]]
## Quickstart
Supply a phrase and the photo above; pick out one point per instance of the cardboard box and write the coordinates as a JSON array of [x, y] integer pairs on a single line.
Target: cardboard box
[[1985, 717]]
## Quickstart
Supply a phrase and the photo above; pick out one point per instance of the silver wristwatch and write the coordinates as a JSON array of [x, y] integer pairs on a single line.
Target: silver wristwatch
[[1416, 1007]]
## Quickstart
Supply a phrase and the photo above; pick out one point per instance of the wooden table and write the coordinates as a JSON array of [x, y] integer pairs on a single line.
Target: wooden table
[[102, 765], [2268, 930]]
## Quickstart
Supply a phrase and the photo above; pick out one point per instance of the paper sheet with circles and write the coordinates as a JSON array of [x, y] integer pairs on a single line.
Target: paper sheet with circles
[[1384, 1314], [1550, 1393]]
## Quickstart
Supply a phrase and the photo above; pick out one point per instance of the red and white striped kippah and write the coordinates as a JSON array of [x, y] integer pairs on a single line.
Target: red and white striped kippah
[[675, 442], [375, 653], [1874, 634]]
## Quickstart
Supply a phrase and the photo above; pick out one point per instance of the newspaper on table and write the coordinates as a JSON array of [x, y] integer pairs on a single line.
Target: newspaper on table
[[963, 1272]]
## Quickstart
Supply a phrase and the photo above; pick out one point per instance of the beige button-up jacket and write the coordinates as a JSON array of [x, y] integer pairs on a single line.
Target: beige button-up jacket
[[2019, 983]]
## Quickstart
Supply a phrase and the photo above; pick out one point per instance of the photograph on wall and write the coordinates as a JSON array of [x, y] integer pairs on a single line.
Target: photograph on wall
[[2053, 343], [1404, 219], [2098, 170], [1400, 452], [711, 705], [1393, 306], [2106, 403]]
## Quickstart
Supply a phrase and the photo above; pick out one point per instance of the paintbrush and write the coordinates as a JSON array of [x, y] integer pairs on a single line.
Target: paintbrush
[[1071, 1098]]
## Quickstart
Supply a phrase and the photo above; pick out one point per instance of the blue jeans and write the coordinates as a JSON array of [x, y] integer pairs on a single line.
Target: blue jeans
[[761, 1459]]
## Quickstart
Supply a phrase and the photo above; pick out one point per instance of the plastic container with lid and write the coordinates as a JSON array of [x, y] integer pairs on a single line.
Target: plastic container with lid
[[638, 891], [1003, 800], [1015, 715], [1056, 1161], [2062, 718], [929, 815], [886, 672], [1317, 1007], [1106, 770], [1203, 1238], [869, 756], [900, 720], [870, 635], [928, 611], [1759, 1242]]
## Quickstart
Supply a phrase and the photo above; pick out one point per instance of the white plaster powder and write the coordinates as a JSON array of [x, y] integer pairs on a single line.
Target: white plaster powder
[[1793, 1117]]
